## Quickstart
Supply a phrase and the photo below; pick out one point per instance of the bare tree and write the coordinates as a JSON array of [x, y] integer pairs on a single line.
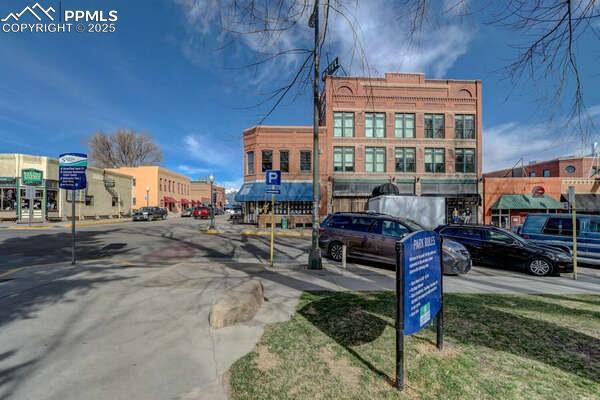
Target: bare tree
[[123, 148], [548, 30]]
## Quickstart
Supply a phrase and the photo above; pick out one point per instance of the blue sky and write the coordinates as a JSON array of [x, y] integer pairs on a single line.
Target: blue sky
[[162, 72]]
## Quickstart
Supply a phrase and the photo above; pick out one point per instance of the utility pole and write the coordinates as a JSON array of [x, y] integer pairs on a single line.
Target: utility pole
[[314, 257]]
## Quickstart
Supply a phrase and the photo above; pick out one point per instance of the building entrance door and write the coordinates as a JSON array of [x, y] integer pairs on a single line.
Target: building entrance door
[[32, 207]]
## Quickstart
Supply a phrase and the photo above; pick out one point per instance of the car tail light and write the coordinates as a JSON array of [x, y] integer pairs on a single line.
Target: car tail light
[[321, 230], [524, 236]]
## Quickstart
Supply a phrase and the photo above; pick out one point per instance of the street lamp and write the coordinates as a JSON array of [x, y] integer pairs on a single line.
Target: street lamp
[[211, 179], [147, 196]]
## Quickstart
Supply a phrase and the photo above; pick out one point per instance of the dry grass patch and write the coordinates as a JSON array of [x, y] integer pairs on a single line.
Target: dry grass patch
[[341, 368], [265, 360]]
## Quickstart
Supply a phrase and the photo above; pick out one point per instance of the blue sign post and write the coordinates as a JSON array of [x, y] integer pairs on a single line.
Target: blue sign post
[[71, 176], [272, 179], [419, 285]]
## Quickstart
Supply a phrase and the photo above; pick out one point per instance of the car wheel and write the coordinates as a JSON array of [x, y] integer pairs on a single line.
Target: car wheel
[[335, 251], [540, 267]]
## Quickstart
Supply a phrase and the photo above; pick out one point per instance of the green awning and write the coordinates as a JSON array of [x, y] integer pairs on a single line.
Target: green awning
[[526, 202]]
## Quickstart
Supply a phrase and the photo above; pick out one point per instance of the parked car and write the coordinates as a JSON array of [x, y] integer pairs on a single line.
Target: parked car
[[372, 236], [556, 230], [148, 214], [164, 212], [187, 212], [489, 245], [201, 212]]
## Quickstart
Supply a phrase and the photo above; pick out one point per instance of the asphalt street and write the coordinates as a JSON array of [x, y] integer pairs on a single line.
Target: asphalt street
[[130, 320]]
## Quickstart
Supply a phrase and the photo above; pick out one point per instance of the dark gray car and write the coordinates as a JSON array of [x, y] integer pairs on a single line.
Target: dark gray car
[[373, 237]]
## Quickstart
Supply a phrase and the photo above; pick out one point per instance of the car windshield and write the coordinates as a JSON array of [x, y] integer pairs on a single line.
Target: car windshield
[[512, 235], [145, 209], [413, 225]]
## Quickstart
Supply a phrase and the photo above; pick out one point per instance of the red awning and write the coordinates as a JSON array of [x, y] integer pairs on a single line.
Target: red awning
[[170, 200], [185, 201]]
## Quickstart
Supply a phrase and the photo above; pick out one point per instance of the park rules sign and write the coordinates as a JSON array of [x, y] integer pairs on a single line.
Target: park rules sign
[[419, 298], [422, 276]]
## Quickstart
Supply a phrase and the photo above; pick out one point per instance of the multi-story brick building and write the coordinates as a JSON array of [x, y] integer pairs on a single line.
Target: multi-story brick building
[[156, 186], [564, 167], [289, 149], [423, 134]]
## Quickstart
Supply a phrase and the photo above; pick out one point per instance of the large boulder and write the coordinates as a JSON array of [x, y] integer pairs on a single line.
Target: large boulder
[[238, 304]]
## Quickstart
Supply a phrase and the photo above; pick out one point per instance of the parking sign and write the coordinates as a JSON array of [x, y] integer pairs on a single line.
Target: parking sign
[[273, 177]]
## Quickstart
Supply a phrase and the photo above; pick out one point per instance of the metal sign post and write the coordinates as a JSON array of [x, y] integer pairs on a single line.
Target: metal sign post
[[571, 198], [419, 297], [272, 178], [71, 176]]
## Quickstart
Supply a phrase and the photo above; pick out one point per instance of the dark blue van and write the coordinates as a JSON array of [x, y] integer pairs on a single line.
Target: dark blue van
[[557, 230]]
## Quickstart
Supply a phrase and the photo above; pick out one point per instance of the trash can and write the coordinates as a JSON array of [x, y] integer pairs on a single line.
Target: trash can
[[284, 223]]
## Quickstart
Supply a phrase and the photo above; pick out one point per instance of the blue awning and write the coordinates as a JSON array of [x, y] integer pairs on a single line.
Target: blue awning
[[290, 191]]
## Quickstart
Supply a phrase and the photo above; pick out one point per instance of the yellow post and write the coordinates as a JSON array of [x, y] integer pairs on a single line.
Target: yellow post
[[574, 214], [272, 225]]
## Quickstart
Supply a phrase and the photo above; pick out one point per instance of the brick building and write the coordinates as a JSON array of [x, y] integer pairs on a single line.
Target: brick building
[[200, 189], [156, 186], [565, 167], [423, 134]]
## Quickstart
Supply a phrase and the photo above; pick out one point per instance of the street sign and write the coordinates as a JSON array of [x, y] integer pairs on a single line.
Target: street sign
[[418, 291], [273, 191], [273, 177], [32, 177], [422, 275], [71, 171]]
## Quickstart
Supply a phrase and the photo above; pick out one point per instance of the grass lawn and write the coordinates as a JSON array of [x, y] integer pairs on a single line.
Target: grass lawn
[[341, 346]]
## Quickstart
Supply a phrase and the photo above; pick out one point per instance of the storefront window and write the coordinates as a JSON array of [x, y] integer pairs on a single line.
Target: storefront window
[[8, 199], [501, 218], [52, 200]]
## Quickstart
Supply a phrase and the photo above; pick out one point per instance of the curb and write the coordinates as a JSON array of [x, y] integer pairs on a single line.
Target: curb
[[277, 233]]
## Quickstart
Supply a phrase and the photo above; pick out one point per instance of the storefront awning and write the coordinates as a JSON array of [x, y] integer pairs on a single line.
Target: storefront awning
[[586, 202], [289, 191], [348, 187], [185, 201], [526, 202], [449, 186], [170, 200]]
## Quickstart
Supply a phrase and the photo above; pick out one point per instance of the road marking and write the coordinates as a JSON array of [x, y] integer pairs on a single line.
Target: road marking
[[26, 228]]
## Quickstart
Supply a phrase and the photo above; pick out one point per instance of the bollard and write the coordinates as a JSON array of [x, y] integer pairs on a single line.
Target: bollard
[[344, 256]]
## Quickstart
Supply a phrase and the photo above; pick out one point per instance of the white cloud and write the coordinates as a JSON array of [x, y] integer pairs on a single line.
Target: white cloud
[[193, 171], [506, 144], [232, 186], [383, 36], [213, 151], [375, 29]]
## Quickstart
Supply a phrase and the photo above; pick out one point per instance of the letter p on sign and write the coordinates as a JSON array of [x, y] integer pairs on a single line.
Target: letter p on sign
[[273, 177]]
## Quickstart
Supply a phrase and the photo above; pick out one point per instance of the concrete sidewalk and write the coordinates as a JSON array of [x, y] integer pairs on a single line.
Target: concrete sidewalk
[[99, 330]]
